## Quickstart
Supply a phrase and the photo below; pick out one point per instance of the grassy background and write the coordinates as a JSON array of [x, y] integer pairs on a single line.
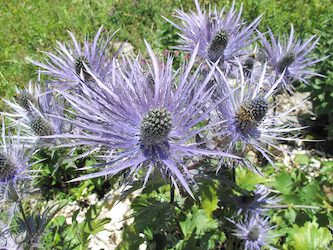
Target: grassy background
[[28, 27]]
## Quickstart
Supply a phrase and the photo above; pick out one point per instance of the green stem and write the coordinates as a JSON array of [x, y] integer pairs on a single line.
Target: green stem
[[292, 206], [172, 193], [25, 218], [233, 174]]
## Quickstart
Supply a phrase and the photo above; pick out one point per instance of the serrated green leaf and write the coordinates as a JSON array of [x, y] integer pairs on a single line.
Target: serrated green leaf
[[283, 182], [301, 159], [209, 197], [197, 222], [247, 179], [310, 237], [311, 193]]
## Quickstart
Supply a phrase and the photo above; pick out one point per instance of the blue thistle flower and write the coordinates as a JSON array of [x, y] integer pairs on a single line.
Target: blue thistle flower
[[66, 66], [255, 231], [247, 110], [146, 121], [220, 34], [256, 201], [14, 161], [38, 111], [291, 56]]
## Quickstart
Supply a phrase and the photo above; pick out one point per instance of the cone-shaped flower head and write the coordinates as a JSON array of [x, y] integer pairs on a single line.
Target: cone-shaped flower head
[[256, 201], [25, 99], [290, 55], [220, 34], [254, 231], [14, 160], [37, 110], [148, 118], [66, 66], [248, 113]]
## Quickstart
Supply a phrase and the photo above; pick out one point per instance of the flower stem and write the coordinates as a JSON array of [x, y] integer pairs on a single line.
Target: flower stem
[[24, 218], [293, 206], [233, 174], [172, 193]]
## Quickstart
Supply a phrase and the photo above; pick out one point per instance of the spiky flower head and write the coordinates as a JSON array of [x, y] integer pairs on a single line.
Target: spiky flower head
[[217, 45], [26, 100], [220, 34], [257, 201], [68, 66], [37, 110], [247, 109], [14, 161], [255, 231], [249, 64], [7, 167], [155, 126], [147, 125], [250, 113], [40, 126], [291, 56], [81, 62]]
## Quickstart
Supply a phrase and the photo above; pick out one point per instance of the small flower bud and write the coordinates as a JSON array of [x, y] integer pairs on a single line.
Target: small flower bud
[[7, 167], [218, 45], [40, 126], [286, 61], [155, 126]]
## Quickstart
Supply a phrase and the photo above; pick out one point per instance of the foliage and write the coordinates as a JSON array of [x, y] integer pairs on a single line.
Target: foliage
[[310, 237], [321, 89], [60, 166], [201, 224], [179, 225], [75, 235]]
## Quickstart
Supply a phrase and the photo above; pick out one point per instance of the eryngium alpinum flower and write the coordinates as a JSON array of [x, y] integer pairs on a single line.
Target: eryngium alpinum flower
[[14, 160], [66, 66], [257, 201], [255, 231], [247, 110], [148, 121], [220, 34], [38, 110], [290, 55]]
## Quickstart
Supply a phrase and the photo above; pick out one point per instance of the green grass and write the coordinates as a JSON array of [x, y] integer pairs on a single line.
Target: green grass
[[29, 27]]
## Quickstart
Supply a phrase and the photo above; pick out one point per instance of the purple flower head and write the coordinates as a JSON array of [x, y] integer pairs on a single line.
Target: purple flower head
[[66, 66], [14, 160], [255, 231], [37, 110], [256, 201], [220, 34], [291, 56], [248, 114], [149, 119]]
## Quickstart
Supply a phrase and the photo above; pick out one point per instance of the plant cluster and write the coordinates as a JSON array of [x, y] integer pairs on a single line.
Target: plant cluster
[[182, 133]]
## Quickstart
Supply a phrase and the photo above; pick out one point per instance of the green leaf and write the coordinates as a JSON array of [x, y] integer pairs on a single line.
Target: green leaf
[[283, 182], [197, 222], [209, 197], [327, 163], [131, 239], [302, 159], [310, 237], [246, 179], [311, 193]]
